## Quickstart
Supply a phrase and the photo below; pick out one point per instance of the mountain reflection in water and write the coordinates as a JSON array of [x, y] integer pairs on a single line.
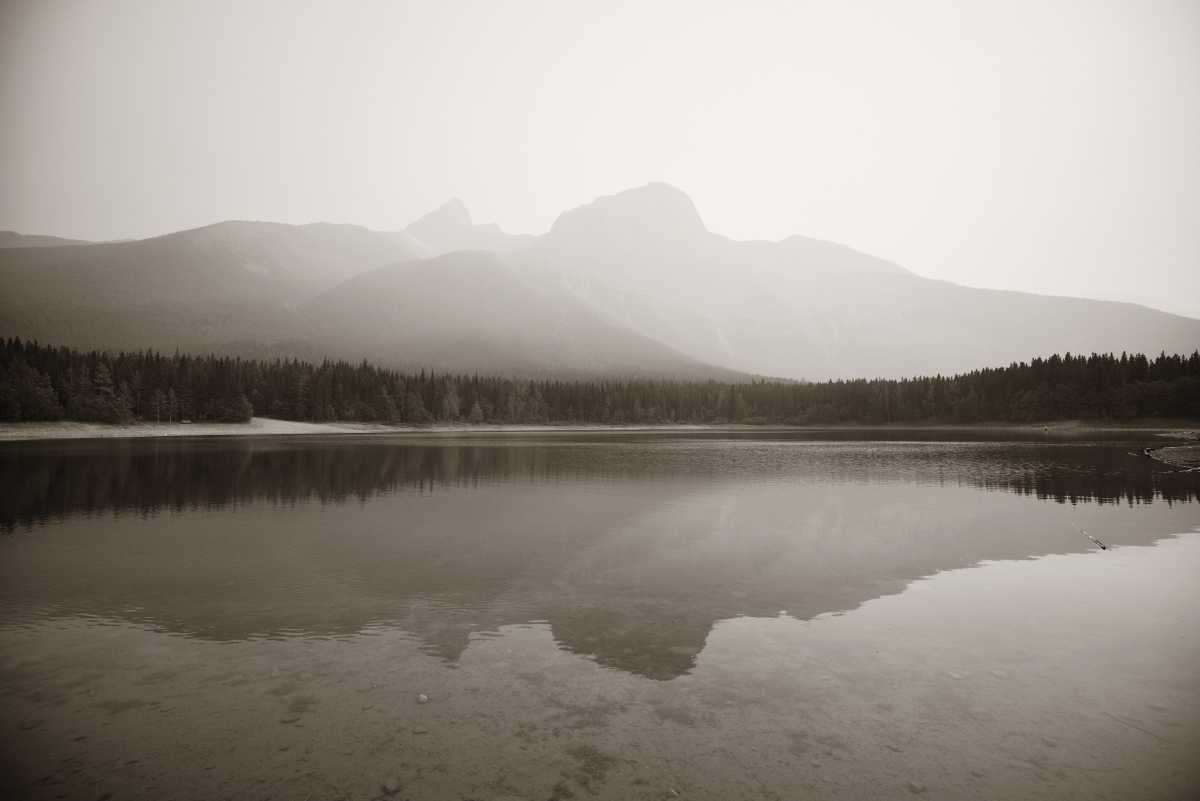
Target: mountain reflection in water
[[631, 547]]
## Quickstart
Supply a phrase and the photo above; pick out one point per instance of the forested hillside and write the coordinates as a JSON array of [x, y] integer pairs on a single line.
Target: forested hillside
[[40, 382]]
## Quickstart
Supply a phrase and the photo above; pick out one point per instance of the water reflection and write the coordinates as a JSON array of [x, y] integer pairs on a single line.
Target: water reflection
[[47, 481], [631, 548]]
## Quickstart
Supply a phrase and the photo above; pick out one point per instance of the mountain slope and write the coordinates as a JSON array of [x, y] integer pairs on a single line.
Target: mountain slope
[[449, 228], [633, 283], [470, 312], [803, 308], [11, 239], [839, 256], [227, 287]]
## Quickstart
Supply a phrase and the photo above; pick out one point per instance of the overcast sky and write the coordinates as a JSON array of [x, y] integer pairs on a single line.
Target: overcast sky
[[1044, 146]]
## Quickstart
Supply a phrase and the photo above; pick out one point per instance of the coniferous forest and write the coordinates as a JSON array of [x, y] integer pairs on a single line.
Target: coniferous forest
[[41, 382]]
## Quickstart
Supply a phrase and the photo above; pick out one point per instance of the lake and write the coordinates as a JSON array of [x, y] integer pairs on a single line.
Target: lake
[[633, 615]]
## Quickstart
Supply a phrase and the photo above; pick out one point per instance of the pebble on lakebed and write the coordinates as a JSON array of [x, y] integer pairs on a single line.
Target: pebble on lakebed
[[421, 699], [391, 786]]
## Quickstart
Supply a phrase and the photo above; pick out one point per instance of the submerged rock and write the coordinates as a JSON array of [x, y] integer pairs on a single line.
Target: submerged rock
[[391, 785]]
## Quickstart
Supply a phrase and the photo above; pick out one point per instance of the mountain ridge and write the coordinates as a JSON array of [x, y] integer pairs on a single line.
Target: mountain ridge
[[466, 310], [202, 289], [449, 228], [803, 308], [11, 239], [631, 283]]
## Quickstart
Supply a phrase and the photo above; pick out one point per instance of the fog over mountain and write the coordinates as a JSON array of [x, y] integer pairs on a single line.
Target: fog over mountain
[[233, 287], [449, 228], [630, 284], [470, 312], [802, 308]]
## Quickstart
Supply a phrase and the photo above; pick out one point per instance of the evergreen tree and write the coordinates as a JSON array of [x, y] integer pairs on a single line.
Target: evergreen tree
[[415, 411], [157, 402], [451, 403]]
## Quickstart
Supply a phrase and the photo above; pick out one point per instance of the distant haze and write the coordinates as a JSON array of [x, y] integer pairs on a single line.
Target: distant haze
[[630, 284], [1045, 147]]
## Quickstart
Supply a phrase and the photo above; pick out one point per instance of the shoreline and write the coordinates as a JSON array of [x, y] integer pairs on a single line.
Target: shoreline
[[271, 427], [1185, 457]]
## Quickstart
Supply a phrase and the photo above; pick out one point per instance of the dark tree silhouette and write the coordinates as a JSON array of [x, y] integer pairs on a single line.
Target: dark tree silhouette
[[43, 383]]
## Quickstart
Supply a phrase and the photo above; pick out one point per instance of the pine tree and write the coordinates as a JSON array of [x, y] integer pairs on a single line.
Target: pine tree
[[158, 402]]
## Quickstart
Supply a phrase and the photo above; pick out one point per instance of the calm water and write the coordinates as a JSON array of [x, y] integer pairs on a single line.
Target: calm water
[[637, 616]]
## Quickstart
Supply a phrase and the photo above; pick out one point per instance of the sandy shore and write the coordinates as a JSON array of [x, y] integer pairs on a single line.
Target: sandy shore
[[257, 426], [266, 426]]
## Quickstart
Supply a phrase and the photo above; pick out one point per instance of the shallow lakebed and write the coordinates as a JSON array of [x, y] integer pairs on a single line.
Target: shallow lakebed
[[633, 615]]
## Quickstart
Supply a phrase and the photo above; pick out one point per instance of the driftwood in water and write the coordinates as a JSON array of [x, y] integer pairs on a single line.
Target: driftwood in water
[[1090, 537]]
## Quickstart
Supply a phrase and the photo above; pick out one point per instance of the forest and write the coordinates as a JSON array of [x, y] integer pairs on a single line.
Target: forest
[[41, 382]]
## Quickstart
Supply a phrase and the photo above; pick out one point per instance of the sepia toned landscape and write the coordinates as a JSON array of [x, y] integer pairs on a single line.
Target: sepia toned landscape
[[538, 401]]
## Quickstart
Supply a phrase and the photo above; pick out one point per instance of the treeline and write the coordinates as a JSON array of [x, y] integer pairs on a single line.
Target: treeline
[[39, 382]]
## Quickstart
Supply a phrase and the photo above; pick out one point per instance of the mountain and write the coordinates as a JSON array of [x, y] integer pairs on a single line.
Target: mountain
[[470, 312], [1152, 303], [839, 256], [233, 287], [449, 228], [802, 308], [632, 283], [11, 239], [317, 291]]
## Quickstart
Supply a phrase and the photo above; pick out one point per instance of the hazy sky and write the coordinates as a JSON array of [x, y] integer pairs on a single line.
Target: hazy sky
[[1045, 146]]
